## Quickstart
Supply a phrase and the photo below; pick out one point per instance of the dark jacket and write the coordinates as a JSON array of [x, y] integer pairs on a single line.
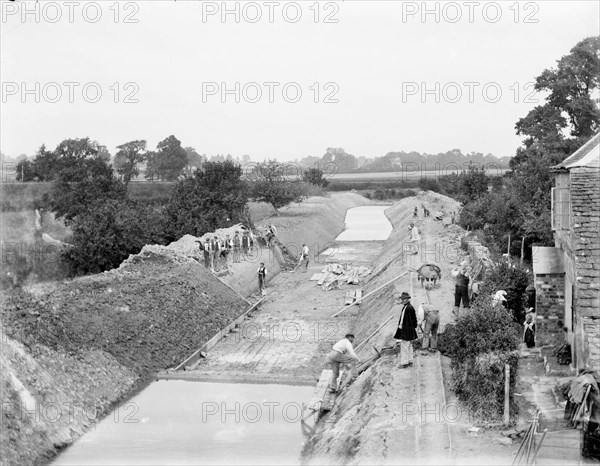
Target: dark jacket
[[408, 331]]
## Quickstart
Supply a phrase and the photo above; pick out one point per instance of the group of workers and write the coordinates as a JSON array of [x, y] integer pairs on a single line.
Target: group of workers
[[219, 252], [406, 332]]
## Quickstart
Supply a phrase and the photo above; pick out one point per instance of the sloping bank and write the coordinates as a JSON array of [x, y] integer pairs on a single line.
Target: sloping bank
[[364, 425], [71, 353]]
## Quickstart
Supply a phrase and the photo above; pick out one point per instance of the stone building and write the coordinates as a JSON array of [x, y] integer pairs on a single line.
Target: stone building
[[567, 277]]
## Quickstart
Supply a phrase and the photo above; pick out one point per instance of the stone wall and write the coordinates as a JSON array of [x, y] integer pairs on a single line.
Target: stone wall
[[585, 203], [550, 308]]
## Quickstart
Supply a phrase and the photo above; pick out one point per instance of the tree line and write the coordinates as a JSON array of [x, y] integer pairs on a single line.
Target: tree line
[[170, 160]]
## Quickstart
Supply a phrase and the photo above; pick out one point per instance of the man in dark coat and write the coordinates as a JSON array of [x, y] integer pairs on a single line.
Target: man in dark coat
[[407, 328]]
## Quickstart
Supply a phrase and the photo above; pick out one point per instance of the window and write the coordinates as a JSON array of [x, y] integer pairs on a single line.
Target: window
[[561, 209]]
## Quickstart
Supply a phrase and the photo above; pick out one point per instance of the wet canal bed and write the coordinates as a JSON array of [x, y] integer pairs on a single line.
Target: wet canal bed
[[184, 422]]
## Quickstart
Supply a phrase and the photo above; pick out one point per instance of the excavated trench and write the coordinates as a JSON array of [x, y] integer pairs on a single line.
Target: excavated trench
[[256, 419]]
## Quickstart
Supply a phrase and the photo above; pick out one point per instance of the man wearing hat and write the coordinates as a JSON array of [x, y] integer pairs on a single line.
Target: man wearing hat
[[407, 328]]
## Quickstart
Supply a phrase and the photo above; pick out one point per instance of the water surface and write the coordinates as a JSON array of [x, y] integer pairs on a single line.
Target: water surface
[[183, 422]]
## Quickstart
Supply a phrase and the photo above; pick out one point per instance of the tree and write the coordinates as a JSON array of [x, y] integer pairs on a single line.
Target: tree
[[128, 158], [473, 183], [345, 162], [315, 176], [167, 162], [571, 85], [46, 164], [271, 186], [214, 197], [109, 231], [25, 171], [195, 160], [83, 179]]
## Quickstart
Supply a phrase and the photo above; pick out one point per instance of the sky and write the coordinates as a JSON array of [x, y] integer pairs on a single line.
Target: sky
[[280, 79]]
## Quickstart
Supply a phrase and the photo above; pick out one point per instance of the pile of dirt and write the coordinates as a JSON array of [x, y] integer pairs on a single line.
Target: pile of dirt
[[149, 314]]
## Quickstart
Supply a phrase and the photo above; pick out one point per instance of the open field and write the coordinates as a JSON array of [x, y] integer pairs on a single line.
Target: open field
[[19, 196]]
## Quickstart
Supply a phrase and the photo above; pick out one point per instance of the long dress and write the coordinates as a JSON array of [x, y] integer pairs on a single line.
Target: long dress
[[529, 336]]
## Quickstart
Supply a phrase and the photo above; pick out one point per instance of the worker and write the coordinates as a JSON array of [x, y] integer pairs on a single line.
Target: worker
[[304, 259], [216, 252], [204, 248], [271, 234], [341, 353], [499, 298], [226, 251], [262, 276], [407, 328], [237, 246], [414, 233], [430, 324], [529, 330], [461, 287], [245, 243]]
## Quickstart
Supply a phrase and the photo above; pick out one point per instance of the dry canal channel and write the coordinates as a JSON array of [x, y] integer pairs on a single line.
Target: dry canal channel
[[243, 403]]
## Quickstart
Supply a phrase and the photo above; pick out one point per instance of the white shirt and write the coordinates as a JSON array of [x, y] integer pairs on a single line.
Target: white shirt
[[345, 347], [305, 251], [415, 234]]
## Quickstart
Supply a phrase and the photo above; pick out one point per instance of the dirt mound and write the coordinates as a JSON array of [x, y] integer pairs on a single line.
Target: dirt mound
[[148, 315]]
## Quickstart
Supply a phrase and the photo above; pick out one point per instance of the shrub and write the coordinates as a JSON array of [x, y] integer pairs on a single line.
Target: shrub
[[429, 184], [512, 278], [107, 233], [484, 340], [479, 382], [315, 176]]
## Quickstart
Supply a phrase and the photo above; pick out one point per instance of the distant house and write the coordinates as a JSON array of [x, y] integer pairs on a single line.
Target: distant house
[[567, 277]]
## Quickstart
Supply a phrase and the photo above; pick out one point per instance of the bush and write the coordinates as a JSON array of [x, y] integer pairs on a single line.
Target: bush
[[484, 340], [479, 382], [429, 184], [107, 233], [512, 278], [315, 176]]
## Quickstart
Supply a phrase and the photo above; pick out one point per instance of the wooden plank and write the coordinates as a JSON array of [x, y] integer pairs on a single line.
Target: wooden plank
[[329, 399], [316, 277], [195, 356], [349, 297], [320, 390], [369, 337], [322, 279], [374, 291], [358, 295]]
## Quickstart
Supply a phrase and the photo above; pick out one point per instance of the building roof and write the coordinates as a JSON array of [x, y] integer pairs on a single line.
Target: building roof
[[587, 155]]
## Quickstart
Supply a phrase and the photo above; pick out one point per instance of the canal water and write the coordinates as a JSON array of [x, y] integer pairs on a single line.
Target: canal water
[[185, 422], [368, 223]]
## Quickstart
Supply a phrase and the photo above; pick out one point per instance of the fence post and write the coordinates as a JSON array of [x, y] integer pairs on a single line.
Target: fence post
[[506, 394]]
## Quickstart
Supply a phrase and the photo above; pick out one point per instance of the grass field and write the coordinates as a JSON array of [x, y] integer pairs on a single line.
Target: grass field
[[22, 196]]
